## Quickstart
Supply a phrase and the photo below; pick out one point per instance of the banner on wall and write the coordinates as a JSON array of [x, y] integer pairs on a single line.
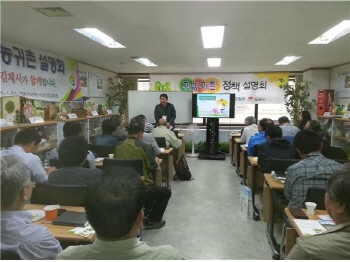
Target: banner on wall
[[249, 88], [342, 85], [95, 85], [37, 74]]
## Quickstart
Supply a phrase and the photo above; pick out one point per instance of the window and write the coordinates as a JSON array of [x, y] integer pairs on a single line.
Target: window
[[143, 84]]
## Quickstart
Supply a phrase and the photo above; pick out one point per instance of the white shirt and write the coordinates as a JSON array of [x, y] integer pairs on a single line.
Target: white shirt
[[129, 249], [33, 162], [289, 130], [248, 132], [31, 242]]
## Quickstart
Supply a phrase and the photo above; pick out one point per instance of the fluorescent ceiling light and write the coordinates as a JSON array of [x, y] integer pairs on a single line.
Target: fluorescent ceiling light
[[99, 37], [214, 62], [334, 33], [287, 60], [212, 36], [144, 61]]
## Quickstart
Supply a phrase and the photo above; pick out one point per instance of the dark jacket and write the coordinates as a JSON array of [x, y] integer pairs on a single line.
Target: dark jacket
[[168, 111], [275, 148]]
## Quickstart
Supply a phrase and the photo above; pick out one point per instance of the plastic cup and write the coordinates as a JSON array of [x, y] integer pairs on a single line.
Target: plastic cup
[[310, 207], [51, 212], [111, 155]]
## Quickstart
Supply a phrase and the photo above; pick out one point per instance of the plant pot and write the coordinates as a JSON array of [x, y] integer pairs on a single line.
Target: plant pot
[[115, 109]]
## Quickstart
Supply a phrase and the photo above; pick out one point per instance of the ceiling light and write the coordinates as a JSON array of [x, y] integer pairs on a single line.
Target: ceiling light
[[214, 62], [334, 33], [53, 11], [99, 37], [287, 60], [144, 61], [212, 36]]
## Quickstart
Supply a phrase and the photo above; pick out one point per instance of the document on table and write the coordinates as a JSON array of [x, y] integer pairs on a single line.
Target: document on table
[[309, 227], [99, 159]]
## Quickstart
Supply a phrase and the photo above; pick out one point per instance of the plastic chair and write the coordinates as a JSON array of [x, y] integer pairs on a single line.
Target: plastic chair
[[161, 141], [278, 164], [316, 194], [102, 151], [9, 255], [66, 195], [334, 152]]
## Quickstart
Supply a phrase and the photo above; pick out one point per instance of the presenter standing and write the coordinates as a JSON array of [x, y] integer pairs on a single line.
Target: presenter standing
[[166, 111]]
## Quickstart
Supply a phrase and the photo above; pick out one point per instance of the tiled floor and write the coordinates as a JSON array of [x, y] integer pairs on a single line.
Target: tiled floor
[[204, 220]]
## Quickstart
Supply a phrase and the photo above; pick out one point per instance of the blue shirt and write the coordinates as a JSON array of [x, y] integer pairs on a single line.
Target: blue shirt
[[105, 140], [30, 241], [33, 162], [257, 139]]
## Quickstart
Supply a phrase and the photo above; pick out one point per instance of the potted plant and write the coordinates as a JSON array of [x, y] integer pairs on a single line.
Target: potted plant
[[118, 93], [296, 97]]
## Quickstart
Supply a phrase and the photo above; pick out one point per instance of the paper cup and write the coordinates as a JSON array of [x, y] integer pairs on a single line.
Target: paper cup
[[310, 207], [51, 212], [111, 155]]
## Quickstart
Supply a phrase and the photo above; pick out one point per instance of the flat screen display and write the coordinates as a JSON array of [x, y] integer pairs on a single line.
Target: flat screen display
[[213, 105]]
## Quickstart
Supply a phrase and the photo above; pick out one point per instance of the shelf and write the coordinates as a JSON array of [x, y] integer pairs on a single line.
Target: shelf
[[43, 149], [99, 116], [46, 123], [74, 119], [9, 128], [342, 138], [342, 119]]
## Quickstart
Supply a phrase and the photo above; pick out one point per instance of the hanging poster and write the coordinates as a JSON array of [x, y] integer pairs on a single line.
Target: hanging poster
[[84, 83], [37, 74], [95, 85], [342, 85], [249, 88]]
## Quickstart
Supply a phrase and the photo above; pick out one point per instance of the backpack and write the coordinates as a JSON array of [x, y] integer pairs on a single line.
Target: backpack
[[182, 170]]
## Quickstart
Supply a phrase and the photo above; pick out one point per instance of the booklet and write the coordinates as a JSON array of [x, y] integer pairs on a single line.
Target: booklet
[[309, 227]]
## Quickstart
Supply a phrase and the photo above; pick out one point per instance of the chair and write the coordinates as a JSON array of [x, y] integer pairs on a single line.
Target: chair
[[133, 163], [316, 194], [56, 163], [161, 141], [102, 151], [9, 255], [278, 164], [66, 195], [334, 152]]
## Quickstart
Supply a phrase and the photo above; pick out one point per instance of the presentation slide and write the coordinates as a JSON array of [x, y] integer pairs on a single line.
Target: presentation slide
[[213, 105]]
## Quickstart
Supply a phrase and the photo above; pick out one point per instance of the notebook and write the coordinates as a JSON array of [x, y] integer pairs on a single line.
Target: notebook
[[71, 218]]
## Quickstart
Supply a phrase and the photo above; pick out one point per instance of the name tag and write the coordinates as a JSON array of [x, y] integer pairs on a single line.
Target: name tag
[[72, 116], [94, 113], [109, 111], [36, 119]]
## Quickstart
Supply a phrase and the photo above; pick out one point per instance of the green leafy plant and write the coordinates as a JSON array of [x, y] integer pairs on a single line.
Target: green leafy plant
[[224, 147], [296, 98], [118, 93]]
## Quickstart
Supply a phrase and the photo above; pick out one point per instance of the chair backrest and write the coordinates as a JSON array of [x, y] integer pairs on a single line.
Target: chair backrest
[[9, 255], [56, 163], [134, 163], [161, 142], [316, 194], [334, 152], [278, 164], [66, 195], [341, 161], [102, 151]]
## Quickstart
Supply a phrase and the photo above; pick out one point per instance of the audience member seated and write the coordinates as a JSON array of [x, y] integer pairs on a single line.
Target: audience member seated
[[119, 132], [259, 138], [275, 147], [25, 144], [72, 153], [303, 118], [313, 170], [148, 126], [163, 131], [74, 129], [114, 208], [287, 128], [333, 244], [148, 138], [250, 130], [18, 234], [157, 197], [106, 139]]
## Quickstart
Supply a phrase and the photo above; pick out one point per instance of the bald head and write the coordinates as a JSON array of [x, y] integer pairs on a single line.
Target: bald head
[[162, 122]]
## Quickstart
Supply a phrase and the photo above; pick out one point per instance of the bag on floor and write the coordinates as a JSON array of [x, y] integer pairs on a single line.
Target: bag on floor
[[182, 170], [246, 202]]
